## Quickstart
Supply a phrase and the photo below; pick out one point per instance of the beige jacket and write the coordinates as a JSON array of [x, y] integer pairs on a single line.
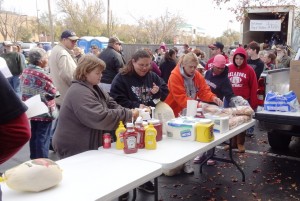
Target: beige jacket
[[62, 66]]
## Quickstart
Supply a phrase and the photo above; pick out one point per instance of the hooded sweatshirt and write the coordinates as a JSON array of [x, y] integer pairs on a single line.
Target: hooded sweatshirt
[[243, 79], [180, 91], [220, 84]]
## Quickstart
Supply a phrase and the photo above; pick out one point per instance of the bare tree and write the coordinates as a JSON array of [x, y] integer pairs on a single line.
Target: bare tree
[[16, 24], [163, 28], [11, 24], [84, 17]]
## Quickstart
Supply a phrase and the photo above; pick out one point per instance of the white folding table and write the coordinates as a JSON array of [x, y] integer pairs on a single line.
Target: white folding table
[[90, 176], [171, 153]]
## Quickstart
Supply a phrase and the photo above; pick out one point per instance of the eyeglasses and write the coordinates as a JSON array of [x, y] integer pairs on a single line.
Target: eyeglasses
[[73, 41], [118, 43]]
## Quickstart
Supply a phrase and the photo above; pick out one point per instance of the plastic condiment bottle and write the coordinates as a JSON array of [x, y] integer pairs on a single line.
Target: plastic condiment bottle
[[204, 131], [139, 128], [150, 137], [157, 125], [120, 136], [130, 139]]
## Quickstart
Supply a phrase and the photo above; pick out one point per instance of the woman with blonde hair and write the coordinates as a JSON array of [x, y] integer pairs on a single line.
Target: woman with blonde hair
[[186, 83], [87, 111]]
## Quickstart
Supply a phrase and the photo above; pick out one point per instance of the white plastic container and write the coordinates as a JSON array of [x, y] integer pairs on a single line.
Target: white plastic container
[[221, 124], [182, 128]]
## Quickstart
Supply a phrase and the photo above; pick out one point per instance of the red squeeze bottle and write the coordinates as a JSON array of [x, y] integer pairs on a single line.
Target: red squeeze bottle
[[139, 128], [130, 139]]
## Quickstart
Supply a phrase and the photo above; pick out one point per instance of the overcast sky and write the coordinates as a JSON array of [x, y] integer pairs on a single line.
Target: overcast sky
[[198, 13]]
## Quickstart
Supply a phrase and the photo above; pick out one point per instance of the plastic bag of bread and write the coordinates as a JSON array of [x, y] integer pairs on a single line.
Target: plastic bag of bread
[[211, 109], [235, 121], [238, 101], [34, 175], [239, 110]]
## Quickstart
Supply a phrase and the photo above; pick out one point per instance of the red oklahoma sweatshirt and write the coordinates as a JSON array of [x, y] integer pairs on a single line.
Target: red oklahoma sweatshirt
[[243, 79]]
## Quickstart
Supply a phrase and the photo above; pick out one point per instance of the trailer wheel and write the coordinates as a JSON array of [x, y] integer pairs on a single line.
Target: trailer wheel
[[278, 140]]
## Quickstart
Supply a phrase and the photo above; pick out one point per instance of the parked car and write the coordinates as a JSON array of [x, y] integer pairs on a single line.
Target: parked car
[[46, 46], [26, 47]]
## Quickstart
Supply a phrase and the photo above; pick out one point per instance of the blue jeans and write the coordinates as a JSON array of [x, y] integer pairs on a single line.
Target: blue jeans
[[14, 81], [40, 139]]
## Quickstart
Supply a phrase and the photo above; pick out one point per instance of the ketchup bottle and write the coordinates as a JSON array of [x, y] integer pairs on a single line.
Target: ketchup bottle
[[130, 139], [139, 128]]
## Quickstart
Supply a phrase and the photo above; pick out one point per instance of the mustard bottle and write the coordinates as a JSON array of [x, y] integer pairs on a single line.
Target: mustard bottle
[[150, 137], [120, 136]]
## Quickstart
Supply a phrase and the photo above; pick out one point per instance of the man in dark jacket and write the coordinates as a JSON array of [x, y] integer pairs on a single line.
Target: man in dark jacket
[[15, 65], [113, 60], [254, 61]]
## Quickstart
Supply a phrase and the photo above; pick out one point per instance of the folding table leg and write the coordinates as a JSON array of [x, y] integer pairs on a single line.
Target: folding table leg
[[233, 161], [156, 188], [225, 160], [134, 194]]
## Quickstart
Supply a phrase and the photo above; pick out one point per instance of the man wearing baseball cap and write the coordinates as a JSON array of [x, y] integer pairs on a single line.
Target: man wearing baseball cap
[[15, 65], [62, 64], [113, 60], [216, 48]]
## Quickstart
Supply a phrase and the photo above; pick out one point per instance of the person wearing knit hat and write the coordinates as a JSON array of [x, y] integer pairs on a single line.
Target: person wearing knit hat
[[217, 79]]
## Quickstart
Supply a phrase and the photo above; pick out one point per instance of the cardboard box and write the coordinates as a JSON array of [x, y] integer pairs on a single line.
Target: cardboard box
[[295, 77]]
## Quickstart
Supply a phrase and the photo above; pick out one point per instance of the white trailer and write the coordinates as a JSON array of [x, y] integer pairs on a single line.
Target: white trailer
[[261, 23]]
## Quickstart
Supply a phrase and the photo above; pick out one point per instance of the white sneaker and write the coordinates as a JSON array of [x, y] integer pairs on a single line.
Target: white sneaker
[[188, 167]]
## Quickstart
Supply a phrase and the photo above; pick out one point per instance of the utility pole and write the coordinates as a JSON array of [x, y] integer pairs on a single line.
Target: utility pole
[[51, 24], [108, 18], [37, 19]]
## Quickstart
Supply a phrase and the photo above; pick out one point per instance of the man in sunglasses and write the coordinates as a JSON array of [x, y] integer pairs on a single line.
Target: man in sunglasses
[[113, 60]]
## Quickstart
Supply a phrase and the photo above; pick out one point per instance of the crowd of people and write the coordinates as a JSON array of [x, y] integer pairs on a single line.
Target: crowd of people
[[89, 94]]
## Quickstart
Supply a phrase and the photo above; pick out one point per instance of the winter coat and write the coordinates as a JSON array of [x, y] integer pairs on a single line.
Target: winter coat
[[34, 81], [131, 90], [220, 84], [62, 63], [177, 98], [113, 61], [10, 104], [243, 79], [85, 114]]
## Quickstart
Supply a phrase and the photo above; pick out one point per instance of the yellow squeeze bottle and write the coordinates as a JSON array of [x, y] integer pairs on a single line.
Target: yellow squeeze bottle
[[150, 137], [120, 136]]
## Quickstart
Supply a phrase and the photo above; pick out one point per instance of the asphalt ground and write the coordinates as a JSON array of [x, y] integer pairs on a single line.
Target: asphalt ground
[[270, 175]]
